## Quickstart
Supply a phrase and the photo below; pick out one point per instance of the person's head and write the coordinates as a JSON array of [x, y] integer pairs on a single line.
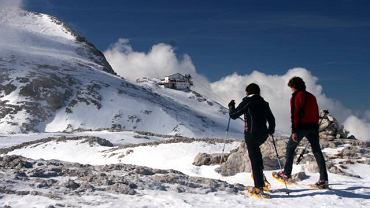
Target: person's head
[[297, 84], [253, 89]]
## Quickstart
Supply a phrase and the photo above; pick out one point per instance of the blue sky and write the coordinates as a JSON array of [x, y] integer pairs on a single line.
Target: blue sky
[[330, 38]]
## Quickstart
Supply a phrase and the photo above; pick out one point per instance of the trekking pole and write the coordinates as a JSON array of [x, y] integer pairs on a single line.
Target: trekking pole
[[227, 135], [278, 159], [304, 151]]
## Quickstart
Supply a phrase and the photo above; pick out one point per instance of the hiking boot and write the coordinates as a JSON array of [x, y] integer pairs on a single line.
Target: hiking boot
[[283, 178], [267, 185], [281, 175], [321, 184]]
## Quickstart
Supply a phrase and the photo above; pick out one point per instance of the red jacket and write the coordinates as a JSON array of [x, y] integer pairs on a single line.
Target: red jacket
[[304, 111]]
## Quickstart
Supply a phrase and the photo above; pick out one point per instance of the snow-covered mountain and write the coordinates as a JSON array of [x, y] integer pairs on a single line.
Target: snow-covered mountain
[[52, 80]]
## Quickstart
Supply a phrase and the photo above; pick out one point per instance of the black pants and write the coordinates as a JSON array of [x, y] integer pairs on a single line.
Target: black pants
[[253, 143], [314, 139]]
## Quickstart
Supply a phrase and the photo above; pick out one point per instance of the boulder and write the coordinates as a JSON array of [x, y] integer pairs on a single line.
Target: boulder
[[238, 160], [209, 159]]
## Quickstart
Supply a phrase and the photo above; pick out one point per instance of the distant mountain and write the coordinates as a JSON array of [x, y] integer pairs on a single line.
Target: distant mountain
[[52, 79]]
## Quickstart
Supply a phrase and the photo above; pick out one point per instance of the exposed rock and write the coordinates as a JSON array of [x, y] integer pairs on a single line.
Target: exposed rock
[[144, 171], [114, 178], [300, 176], [85, 139], [42, 173], [45, 183], [122, 189], [210, 159], [14, 162], [330, 129], [97, 140], [238, 159], [71, 185]]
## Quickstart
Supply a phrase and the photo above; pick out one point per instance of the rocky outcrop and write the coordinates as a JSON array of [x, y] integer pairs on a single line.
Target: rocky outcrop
[[91, 140], [330, 129], [56, 179], [237, 160], [210, 159]]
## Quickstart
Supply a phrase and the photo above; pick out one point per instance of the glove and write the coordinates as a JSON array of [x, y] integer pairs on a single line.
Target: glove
[[232, 103]]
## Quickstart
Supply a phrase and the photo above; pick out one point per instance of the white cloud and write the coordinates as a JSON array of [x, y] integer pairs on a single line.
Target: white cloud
[[359, 127], [275, 90], [6, 5], [161, 60]]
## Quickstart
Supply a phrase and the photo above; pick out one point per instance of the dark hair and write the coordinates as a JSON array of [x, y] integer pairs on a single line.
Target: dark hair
[[297, 83], [253, 89]]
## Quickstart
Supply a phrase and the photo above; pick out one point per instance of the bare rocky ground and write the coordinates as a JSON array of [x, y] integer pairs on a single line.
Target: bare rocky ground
[[57, 180]]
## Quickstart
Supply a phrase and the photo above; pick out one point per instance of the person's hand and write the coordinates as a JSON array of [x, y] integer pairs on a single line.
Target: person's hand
[[232, 103], [294, 137]]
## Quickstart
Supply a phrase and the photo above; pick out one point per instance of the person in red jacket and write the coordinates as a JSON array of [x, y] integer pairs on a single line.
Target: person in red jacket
[[305, 123]]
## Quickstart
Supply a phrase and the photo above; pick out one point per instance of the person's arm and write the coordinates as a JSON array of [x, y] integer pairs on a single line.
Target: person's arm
[[238, 111], [270, 119]]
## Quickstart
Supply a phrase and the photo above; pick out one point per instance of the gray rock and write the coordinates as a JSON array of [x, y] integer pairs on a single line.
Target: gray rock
[[97, 140], [330, 118], [324, 124], [238, 160], [300, 176], [42, 173], [144, 171], [15, 162], [209, 159], [71, 184], [350, 151], [122, 189]]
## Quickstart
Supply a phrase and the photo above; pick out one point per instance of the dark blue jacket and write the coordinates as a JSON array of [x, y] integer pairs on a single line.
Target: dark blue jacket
[[257, 114]]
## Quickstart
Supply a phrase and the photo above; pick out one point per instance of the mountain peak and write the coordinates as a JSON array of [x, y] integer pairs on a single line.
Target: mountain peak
[[52, 79], [44, 36]]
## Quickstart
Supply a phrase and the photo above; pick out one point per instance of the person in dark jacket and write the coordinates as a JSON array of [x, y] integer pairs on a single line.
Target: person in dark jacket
[[257, 114], [305, 123]]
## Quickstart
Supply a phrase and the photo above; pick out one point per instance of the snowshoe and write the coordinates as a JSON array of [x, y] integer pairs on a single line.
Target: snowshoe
[[257, 193], [267, 186], [320, 185], [283, 178]]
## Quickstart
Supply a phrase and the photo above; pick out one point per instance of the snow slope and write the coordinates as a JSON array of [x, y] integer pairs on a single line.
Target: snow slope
[[345, 191], [53, 80]]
